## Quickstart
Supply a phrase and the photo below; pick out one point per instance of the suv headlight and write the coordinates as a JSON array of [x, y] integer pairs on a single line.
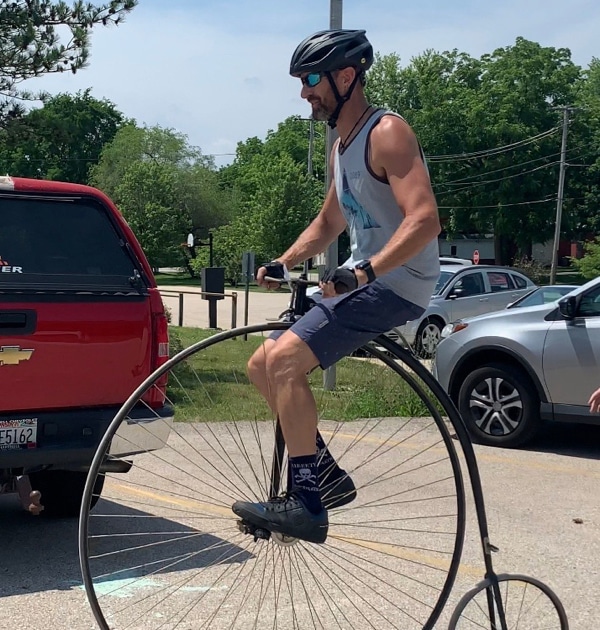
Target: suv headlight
[[452, 328]]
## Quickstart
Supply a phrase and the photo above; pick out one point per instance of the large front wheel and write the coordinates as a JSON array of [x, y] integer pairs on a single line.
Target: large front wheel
[[163, 549]]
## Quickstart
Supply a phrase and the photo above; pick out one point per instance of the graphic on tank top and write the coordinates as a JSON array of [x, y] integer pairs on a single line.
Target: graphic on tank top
[[359, 215]]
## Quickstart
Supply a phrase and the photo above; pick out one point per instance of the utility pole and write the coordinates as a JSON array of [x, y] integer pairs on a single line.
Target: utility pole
[[311, 145], [331, 255], [561, 186]]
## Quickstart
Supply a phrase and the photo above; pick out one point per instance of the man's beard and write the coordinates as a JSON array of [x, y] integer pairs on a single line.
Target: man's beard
[[320, 111]]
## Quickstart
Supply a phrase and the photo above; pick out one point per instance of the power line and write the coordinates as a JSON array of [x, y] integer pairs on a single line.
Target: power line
[[457, 157], [498, 205], [499, 179], [466, 180], [498, 170]]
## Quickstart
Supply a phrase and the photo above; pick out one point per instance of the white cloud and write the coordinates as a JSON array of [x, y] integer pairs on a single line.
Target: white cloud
[[217, 71]]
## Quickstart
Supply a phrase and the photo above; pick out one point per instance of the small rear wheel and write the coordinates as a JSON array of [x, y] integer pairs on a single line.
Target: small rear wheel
[[514, 602]]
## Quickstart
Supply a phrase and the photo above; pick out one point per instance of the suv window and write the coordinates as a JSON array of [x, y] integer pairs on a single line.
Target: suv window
[[470, 284], [60, 243], [499, 281], [520, 282]]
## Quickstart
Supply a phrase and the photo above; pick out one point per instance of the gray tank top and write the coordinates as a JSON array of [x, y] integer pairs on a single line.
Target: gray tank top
[[373, 216]]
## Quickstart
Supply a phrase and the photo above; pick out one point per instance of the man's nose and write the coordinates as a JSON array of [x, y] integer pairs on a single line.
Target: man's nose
[[305, 91]]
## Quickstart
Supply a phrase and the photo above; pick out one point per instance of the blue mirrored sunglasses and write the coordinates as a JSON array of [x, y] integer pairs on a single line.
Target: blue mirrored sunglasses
[[312, 80]]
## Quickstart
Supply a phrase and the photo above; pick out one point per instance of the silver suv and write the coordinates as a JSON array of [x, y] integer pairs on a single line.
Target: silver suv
[[509, 371]]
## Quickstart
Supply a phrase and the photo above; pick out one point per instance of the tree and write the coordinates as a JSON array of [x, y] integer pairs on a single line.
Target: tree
[[147, 194], [589, 265], [281, 201], [60, 140], [30, 44], [581, 217], [149, 144], [463, 109], [135, 166], [276, 196]]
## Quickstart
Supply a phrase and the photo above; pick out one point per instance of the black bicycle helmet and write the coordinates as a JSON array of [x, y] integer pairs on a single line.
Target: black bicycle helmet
[[331, 50]]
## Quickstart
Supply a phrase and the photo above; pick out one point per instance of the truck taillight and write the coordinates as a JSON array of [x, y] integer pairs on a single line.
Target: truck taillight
[[156, 395]]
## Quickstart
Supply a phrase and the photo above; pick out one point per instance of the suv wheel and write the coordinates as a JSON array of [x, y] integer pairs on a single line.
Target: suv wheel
[[499, 406], [62, 491], [428, 337]]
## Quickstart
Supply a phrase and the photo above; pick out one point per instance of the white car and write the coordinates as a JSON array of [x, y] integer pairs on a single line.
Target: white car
[[450, 260], [462, 291]]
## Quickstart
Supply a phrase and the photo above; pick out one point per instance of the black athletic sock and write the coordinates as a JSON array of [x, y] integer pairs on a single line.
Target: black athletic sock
[[328, 468], [304, 474]]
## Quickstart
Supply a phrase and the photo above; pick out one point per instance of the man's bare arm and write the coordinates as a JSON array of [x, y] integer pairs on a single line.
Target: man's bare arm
[[395, 155]]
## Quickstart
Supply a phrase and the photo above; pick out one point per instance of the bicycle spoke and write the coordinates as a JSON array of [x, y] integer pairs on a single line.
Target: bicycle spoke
[[163, 549]]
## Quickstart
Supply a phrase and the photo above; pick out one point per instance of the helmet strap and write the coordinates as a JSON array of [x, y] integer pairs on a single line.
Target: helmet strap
[[332, 121]]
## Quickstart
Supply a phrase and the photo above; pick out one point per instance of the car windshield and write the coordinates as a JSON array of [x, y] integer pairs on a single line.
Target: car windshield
[[442, 280]]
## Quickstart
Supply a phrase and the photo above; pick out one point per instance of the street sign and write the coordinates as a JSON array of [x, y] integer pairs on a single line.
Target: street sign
[[476, 257], [248, 265]]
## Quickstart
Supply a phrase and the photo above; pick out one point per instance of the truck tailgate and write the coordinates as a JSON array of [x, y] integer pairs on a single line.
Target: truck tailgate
[[78, 351]]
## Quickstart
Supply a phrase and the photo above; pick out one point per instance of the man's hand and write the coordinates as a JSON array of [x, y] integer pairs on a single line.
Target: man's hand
[[339, 281], [272, 275], [594, 401]]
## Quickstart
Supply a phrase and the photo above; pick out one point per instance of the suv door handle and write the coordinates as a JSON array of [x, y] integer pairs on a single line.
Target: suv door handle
[[484, 299]]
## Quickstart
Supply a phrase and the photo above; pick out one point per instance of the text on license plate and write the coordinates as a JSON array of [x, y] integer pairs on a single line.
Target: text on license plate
[[20, 433]]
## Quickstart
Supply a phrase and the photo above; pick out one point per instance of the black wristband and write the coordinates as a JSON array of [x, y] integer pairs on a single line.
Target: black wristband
[[365, 265]]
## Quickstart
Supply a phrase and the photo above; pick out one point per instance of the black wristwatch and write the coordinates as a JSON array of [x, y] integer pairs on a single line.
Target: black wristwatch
[[365, 265]]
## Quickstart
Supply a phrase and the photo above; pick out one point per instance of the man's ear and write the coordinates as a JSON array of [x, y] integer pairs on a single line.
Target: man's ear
[[346, 76]]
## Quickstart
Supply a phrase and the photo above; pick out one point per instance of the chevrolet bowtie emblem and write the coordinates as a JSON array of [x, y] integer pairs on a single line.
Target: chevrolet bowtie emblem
[[13, 355]]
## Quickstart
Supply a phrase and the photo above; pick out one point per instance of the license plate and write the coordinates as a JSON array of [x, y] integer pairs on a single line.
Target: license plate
[[18, 433]]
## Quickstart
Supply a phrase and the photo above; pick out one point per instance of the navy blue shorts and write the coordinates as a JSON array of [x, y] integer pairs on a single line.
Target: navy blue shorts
[[335, 327]]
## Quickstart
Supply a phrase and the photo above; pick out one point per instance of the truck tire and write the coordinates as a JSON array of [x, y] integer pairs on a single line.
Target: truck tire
[[62, 491]]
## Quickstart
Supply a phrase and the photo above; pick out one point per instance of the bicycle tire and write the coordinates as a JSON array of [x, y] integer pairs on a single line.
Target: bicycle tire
[[376, 579], [472, 613]]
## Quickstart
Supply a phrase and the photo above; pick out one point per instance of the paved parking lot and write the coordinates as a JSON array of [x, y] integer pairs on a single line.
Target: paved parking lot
[[261, 306], [543, 513], [542, 507]]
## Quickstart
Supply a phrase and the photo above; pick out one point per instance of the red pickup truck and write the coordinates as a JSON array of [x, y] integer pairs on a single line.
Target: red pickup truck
[[82, 324]]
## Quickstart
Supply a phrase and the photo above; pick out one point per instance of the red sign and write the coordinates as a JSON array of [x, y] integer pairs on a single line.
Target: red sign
[[476, 256]]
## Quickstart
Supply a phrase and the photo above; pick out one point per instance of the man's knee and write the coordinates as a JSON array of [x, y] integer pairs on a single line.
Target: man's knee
[[289, 361], [257, 364]]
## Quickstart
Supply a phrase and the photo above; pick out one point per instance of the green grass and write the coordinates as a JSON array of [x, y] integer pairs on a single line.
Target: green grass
[[213, 386], [569, 277], [176, 279]]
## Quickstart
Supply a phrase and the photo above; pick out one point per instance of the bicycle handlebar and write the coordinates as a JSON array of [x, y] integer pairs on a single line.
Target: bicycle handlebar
[[293, 281]]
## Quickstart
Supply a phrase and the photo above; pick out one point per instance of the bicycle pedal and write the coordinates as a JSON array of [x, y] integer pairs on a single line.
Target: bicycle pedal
[[258, 532]]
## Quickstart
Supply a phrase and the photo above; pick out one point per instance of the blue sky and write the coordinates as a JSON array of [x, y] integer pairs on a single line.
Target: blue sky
[[216, 70]]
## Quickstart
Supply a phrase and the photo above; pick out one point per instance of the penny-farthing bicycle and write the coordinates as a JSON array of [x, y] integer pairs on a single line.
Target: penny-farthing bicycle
[[163, 550]]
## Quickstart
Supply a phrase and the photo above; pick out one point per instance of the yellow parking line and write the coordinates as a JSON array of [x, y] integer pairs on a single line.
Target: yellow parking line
[[385, 548]]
